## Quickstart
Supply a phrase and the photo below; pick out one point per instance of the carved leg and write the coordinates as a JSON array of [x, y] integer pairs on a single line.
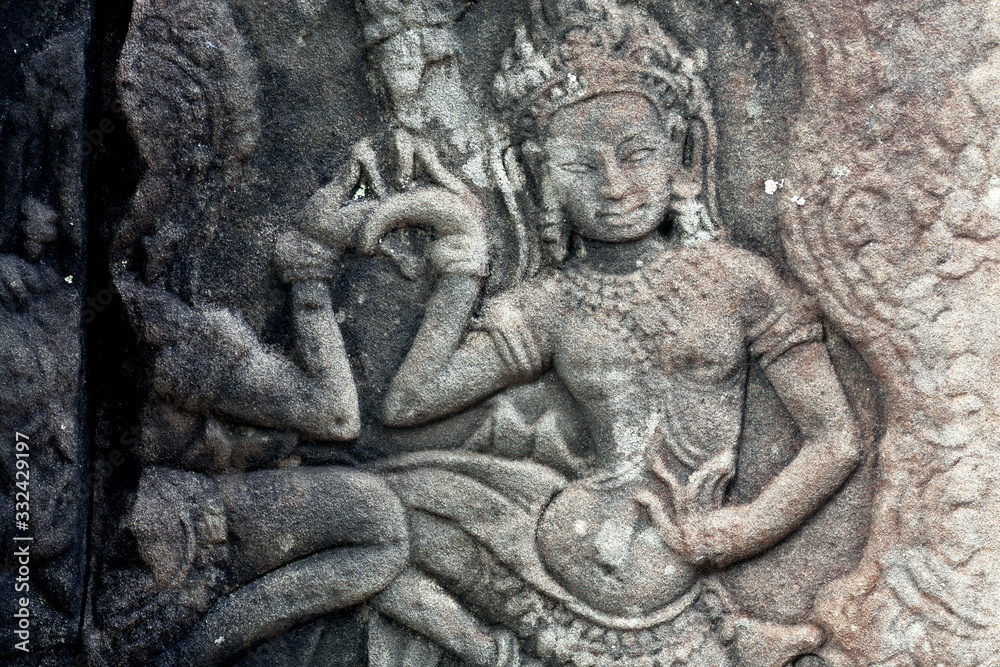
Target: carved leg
[[277, 516], [392, 645], [350, 522], [447, 555], [418, 602], [281, 600]]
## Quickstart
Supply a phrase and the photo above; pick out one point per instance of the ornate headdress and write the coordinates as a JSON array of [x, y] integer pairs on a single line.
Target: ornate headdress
[[383, 19], [594, 49], [579, 49]]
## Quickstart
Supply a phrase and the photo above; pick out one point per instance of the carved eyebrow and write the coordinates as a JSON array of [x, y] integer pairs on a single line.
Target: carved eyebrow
[[563, 144], [643, 138], [567, 149]]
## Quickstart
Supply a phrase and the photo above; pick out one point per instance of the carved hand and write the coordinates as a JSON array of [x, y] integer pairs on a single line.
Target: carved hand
[[335, 215], [412, 153], [695, 527], [704, 539], [456, 221], [299, 258]]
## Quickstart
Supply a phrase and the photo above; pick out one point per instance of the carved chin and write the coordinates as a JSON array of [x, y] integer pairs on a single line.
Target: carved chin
[[614, 227], [601, 547]]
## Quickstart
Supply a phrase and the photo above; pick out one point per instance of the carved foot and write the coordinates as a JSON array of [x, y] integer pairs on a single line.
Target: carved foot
[[762, 644]]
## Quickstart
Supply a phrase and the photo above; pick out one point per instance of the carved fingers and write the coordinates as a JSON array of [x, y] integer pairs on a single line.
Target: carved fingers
[[416, 155], [410, 156], [700, 539], [695, 529], [365, 161], [334, 214], [707, 485], [425, 155], [461, 254], [357, 209], [681, 497], [457, 223], [717, 538], [327, 221], [663, 521]]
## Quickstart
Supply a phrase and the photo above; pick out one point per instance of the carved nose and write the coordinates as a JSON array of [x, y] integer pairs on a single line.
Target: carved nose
[[616, 184]]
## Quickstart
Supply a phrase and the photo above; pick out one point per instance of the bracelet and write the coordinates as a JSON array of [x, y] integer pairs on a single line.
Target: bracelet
[[311, 294]]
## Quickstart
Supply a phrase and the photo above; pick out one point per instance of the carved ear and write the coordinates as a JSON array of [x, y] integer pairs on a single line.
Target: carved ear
[[534, 157], [691, 179]]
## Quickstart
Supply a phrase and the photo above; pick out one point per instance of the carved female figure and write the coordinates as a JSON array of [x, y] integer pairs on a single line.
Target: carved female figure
[[650, 320], [224, 522]]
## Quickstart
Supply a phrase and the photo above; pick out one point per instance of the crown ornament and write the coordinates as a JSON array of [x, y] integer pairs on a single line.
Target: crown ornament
[[384, 19], [579, 50]]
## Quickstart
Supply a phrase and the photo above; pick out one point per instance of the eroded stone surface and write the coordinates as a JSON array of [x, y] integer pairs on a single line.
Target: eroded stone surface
[[45, 458], [541, 333]]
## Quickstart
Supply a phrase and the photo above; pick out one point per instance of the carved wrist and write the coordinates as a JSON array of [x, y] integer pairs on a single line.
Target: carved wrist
[[311, 294], [715, 539], [461, 254]]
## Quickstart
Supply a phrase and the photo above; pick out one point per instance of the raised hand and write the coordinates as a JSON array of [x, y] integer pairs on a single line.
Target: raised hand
[[332, 216], [20, 280], [457, 223], [356, 210], [300, 258], [412, 153]]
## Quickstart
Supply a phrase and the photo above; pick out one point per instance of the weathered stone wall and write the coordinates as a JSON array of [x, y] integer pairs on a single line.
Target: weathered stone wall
[[532, 333]]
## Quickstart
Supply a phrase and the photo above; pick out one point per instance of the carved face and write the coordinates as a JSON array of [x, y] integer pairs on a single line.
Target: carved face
[[404, 60], [611, 161], [401, 66]]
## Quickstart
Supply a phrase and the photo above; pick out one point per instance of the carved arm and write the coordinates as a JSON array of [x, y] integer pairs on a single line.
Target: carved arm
[[317, 397], [809, 388], [446, 369]]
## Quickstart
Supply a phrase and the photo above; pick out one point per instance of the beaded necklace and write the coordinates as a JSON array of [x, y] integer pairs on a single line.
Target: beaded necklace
[[643, 309], [640, 306]]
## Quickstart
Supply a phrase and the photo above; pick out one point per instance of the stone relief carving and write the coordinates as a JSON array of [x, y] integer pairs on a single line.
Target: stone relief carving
[[633, 302], [220, 402], [41, 234], [464, 334], [895, 254]]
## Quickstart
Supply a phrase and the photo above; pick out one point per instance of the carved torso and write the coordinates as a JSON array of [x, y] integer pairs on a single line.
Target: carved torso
[[657, 360]]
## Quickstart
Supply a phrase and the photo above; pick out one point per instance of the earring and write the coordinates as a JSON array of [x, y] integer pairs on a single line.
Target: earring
[[692, 221], [554, 233]]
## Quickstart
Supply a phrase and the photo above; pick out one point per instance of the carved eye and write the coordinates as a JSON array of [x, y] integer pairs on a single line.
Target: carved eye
[[637, 155], [577, 167]]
